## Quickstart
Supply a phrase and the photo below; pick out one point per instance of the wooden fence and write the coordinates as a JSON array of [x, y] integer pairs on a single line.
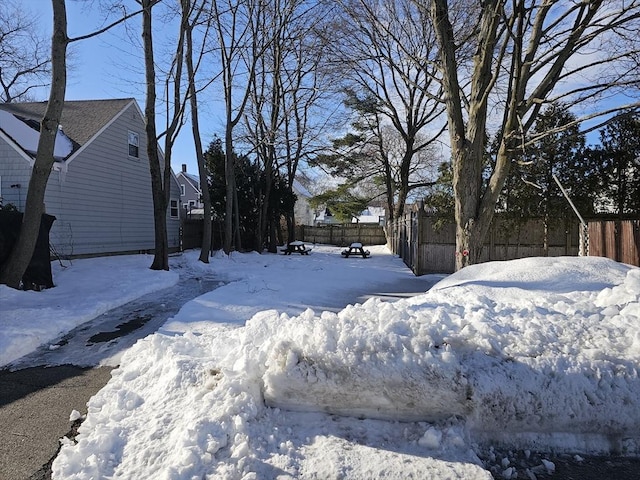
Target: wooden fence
[[340, 235], [615, 239], [426, 249], [343, 234], [191, 235]]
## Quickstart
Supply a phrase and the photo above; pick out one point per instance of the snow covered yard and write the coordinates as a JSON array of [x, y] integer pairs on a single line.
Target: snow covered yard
[[534, 354]]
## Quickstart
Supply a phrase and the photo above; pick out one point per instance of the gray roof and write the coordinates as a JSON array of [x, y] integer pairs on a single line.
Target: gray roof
[[81, 119]]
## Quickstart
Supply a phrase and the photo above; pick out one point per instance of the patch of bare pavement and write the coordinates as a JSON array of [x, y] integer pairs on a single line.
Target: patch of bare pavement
[[39, 391], [35, 404], [527, 465]]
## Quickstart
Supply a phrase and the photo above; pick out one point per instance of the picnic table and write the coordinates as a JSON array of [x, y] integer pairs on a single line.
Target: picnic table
[[296, 247], [355, 249]]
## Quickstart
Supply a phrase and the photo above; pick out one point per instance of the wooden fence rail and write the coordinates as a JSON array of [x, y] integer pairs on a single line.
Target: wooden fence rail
[[615, 239], [426, 249], [340, 235], [343, 234]]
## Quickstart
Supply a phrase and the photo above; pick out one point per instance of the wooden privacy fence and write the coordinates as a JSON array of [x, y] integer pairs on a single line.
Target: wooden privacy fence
[[340, 235], [191, 234], [615, 239], [426, 249], [343, 234]]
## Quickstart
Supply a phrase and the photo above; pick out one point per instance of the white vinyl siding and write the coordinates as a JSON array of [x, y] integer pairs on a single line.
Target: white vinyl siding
[[103, 204], [14, 170], [101, 201]]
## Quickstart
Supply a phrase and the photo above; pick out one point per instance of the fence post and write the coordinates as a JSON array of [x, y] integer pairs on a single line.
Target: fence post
[[492, 241], [419, 239]]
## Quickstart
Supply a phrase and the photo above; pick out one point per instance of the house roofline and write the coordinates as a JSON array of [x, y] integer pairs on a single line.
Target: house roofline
[[195, 185], [99, 132]]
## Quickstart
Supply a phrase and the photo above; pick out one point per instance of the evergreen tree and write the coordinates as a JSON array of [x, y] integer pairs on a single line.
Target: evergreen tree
[[619, 159], [247, 178], [553, 149], [439, 201], [341, 202], [250, 182]]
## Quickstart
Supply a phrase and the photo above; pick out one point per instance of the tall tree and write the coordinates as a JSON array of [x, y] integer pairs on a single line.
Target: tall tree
[[179, 89], [160, 181], [241, 45], [191, 14], [24, 54], [389, 53], [283, 114], [527, 53], [374, 156], [619, 159], [16, 264]]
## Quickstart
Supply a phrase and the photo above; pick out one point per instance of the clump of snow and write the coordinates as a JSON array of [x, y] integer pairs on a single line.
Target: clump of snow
[[75, 415], [550, 466], [431, 438]]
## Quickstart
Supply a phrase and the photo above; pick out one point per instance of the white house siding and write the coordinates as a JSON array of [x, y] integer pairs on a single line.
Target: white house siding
[[303, 213], [13, 171], [173, 223], [103, 202]]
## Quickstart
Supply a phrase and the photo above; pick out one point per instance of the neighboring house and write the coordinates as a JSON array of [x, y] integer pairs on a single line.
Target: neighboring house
[[371, 214], [302, 211], [99, 189], [375, 215], [190, 192], [323, 216]]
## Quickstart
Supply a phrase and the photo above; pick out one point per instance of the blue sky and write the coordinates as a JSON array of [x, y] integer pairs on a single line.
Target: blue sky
[[109, 66]]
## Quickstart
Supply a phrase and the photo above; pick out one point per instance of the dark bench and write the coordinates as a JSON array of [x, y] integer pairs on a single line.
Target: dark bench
[[296, 247], [355, 249]]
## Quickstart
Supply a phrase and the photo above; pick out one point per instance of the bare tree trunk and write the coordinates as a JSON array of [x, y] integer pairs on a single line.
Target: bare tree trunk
[[236, 217], [238, 40], [513, 43], [18, 261], [205, 249], [158, 183], [467, 136], [230, 183]]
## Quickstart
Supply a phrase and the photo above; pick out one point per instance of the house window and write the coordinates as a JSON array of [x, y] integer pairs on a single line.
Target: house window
[[134, 145], [173, 210], [182, 190]]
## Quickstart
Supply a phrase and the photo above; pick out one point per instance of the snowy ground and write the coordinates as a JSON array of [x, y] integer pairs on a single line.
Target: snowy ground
[[244, 383]]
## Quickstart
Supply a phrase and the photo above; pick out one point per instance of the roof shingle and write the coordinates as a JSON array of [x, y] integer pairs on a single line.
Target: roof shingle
[[81, 119]]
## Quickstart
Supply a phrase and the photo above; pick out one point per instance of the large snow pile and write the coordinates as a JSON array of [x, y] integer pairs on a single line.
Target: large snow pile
[[536, 353]]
